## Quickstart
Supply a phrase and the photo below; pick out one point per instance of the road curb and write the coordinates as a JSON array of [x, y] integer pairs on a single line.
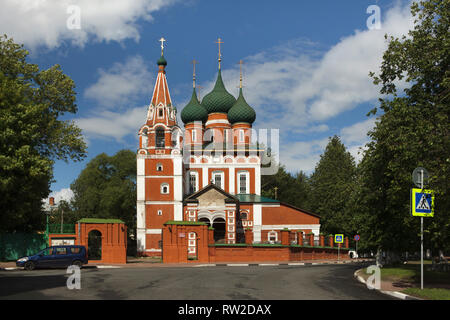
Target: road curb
[[395, 294]]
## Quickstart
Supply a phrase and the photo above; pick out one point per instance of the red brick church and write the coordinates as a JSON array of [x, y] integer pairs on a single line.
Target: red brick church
[[210, 171]]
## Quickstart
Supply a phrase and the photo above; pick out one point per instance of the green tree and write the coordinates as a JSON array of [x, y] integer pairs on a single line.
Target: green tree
[[32, 136], [106, 188], [331, 184], [412, 131], [292, 189]]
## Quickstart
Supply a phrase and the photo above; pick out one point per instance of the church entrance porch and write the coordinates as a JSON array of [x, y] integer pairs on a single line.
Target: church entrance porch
[[219, 230]]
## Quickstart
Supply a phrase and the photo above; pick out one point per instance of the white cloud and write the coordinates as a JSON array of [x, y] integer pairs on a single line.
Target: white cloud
[[65, 194], [44, 22], [357, 133], [121, 83], [107, 124], [298, 85]]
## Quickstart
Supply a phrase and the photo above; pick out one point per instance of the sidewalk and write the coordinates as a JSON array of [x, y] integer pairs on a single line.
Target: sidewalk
[[391, 288], [150, 263]]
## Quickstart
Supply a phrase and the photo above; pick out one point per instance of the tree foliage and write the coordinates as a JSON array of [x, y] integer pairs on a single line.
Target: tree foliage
[[283, 186], [106, 188], [332, 184], [413, 131], [32, 135]]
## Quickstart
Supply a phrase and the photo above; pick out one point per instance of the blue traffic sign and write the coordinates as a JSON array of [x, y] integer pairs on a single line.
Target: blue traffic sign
[[339, 238]]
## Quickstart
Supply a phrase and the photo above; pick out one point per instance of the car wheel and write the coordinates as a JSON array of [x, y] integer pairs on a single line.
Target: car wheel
[[77, 263], [29, 265]]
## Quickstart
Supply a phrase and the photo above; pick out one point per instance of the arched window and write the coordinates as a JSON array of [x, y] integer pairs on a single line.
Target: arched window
[[160, 113], [160, 138], [165, 188], [159, 167]]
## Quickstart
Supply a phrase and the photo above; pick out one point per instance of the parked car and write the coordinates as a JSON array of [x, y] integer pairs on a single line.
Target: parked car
[[353, 254], [55, 257]]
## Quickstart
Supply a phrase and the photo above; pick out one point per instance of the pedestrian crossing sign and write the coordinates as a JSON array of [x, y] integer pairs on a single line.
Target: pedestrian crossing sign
[[339, 238], [422, 203]]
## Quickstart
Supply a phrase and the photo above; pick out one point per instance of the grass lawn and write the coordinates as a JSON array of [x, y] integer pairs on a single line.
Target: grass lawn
[[427, 293], [437, 284]]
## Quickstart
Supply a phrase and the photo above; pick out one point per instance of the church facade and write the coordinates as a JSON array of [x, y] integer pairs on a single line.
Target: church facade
[[209, 171]]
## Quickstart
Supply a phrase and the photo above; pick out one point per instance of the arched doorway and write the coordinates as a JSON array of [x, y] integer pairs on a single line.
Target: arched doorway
[[206, 220], [219, 230], [95, 245]]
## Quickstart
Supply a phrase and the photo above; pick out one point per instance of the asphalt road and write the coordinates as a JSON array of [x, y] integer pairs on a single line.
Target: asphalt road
[[329, 282]]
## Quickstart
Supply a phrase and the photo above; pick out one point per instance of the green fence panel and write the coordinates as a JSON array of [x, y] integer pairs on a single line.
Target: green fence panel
[[16, 245], [66, 228]]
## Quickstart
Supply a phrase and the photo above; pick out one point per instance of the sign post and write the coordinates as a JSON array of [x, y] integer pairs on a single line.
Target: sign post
[[339, 238], [422, 205], [356, 238]]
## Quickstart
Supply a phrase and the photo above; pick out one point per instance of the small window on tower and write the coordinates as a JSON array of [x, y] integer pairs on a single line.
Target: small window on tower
[[159, 212], [160, 138], [159, 167], [160, 113], [164, 188]]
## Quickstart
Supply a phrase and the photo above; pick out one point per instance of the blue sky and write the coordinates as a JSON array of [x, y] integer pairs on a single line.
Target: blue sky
[[305, 73]]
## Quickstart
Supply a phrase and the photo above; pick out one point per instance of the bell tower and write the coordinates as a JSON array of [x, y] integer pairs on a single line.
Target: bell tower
[[159, 167]]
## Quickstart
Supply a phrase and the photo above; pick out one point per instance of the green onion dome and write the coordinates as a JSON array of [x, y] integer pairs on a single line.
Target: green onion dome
[[194, 111], [241, 111], [218, 100], [161, 61]]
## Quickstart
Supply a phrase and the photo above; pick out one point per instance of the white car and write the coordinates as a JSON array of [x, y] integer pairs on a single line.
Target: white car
[[353, 254]]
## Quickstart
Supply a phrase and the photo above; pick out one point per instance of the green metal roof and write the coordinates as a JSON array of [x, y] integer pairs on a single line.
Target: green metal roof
[[185, 223], [219, 99], [162, 61], [96, 220], [241, 111], [255, 198], [194, 111]]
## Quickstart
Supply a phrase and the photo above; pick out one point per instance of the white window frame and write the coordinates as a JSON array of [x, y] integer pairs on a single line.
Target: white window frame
[[159, 212], [159, 165], [162, 188], [193, 173], [222, 178], [271, 233], [247, 182]]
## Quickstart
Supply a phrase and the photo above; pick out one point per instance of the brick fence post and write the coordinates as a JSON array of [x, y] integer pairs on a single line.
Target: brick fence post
[[300, 238], [248, 236], [285, 237], [322, 240], [346, 242], [210, 235], [311, 239], [331, 240]]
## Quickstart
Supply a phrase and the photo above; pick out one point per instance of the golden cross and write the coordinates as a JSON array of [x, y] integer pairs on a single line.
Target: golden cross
[[240, 70], [194, 62], [162, 40], [219, 41]]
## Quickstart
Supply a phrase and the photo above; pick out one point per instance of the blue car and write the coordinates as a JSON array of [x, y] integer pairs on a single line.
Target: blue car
[[55, 257]]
